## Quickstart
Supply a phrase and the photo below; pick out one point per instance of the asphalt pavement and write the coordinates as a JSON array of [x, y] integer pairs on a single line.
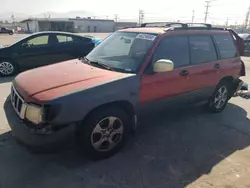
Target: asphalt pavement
[[171, 149]]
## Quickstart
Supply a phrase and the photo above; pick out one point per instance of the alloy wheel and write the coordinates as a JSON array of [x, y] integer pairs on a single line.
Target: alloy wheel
[[107, 134], [6, 68], [220, 97]]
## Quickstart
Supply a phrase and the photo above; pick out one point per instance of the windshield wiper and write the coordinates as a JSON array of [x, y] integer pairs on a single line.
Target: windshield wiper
[[98, 64]]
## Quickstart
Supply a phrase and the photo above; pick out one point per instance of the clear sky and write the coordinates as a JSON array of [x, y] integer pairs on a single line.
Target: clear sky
[[220, 10]]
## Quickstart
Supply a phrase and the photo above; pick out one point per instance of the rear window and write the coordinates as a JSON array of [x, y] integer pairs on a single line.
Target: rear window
[[226, 46]]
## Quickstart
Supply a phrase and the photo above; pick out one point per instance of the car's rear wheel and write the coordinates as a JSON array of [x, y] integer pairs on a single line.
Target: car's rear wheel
[[11, 33], [7, 68], [104, 132], [222, 94]]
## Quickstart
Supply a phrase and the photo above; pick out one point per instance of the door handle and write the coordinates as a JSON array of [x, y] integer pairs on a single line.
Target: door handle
[[184, 73], [217, 66]]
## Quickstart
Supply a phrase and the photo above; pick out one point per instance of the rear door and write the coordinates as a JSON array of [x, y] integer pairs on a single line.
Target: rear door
[[70, 46], [64, 47], [204, 60]]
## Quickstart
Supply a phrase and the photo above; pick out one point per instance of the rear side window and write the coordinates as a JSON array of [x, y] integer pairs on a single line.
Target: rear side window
[[226, 46], [64, 38], [202, 49], [175, 49]]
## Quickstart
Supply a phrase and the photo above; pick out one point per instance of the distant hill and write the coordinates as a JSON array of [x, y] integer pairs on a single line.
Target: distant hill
[[21, 16]]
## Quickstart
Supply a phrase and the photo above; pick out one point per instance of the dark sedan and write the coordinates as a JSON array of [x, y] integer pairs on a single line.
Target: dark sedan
[[246, 38], [43, 48]]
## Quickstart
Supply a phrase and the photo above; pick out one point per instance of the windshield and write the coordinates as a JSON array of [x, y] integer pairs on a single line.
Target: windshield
[[122, 51]]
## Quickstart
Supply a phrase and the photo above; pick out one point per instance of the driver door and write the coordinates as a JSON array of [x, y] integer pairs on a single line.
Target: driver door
[[38, 52], [172, 86]]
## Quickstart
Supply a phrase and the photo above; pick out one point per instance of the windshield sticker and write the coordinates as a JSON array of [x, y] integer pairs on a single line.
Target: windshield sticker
[[146, 36]]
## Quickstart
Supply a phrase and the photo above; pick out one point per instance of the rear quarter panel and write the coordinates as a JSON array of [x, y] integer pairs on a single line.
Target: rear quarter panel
[[230, 67]]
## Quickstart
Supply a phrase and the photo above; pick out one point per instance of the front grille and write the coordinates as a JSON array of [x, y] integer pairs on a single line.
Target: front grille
[[17, 102]]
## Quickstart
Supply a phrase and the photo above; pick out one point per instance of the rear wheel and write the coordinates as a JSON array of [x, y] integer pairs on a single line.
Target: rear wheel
[[222, 94], [104, 132], [7, 68]]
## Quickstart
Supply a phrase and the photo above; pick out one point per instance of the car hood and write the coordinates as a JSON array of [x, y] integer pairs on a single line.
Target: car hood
[[49, 82]]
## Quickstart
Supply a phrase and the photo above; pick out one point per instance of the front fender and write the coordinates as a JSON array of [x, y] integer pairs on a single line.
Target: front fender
[[75, 106]]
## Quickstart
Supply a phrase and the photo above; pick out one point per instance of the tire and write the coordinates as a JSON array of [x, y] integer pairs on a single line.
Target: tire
[[95, 144], [11, 33], [219, 99], [8, 68]]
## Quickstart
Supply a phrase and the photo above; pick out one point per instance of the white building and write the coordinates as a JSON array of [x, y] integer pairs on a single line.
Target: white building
[[88, 25]]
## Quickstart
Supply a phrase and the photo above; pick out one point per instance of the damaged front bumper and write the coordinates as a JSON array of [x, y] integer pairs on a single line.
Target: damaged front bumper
[[33, 137]]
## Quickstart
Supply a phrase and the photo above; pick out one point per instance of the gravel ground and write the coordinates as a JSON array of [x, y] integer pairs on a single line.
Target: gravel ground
[[182, 148]]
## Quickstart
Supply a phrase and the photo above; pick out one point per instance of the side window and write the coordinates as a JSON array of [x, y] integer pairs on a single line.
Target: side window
[[226, 46], [175, 49], [64, 38], [202, 49], [37, 41]]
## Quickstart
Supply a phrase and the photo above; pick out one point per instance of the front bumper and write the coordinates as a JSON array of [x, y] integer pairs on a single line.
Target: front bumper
[[30, 138]]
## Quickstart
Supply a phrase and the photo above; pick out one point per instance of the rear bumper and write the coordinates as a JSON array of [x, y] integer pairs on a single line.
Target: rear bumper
[[29, 138], [240, 85]]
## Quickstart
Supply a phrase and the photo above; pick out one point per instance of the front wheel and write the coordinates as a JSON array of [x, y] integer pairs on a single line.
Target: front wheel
[[219, 100], [7, 68], [104, 132]]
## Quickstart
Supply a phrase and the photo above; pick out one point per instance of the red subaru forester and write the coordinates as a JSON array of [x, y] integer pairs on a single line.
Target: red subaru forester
[[100, 95]]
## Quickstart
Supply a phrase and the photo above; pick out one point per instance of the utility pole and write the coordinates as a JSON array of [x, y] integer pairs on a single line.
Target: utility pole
[[13, 20], [141, 16], [226, 23], [247, 17], [193, 17], [207, 7], [116, 17]]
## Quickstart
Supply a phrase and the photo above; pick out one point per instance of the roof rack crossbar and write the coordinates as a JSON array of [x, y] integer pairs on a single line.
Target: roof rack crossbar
[[204, 24]]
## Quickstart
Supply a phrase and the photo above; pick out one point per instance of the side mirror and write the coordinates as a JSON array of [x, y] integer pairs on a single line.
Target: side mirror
[[163, 65], [25, 45]]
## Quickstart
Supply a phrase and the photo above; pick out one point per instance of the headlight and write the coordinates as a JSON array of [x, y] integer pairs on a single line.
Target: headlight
[[34, 113]]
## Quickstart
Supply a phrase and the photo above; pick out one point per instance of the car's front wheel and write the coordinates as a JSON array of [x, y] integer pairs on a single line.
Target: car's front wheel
[[7, 68], [104, 132], [222, 94]]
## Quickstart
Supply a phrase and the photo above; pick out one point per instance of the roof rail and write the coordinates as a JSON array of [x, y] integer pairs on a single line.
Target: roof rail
[[176, 24], [164, 24]]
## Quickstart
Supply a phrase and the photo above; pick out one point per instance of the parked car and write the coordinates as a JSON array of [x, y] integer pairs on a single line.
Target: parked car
[[131, 71], [5, 30], [246, 38], [43, 48]]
